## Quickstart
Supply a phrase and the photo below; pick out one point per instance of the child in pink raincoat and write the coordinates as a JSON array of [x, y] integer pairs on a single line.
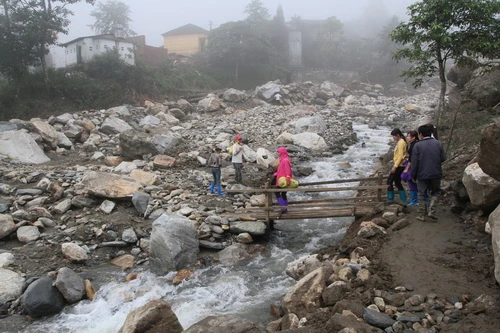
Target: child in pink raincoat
[[283, 176]]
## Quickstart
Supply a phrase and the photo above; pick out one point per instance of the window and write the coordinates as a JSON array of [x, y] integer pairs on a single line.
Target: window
[[122, 48], [90, 48]]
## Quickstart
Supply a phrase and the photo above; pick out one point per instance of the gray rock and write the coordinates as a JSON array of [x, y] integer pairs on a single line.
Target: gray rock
[[154, 316], [223, 324], [7, 225], [62, 207], [211, 245], [377, 319], [174, 244], [81, 201], [113, 125], [11, 286], [42, 299], [27, 234], [129, 236], [140, 200], [70, 284], [19, 146], [256, 228]]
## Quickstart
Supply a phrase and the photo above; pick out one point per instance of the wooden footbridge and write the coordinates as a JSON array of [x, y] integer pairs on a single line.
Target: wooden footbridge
[[360, 204]]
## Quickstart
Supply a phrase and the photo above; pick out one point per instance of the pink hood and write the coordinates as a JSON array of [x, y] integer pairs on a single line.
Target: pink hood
[[285, 167]]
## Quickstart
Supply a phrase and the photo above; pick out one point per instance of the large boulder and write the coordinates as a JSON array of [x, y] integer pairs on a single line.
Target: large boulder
[[494, 222], [113, 125], [134, 144], [174, 243], [153, 317], [484, 87], [488, 157], [42, 298], [305, 296], [315, 124], [210, 103], [483, 190], [268, 90], [109, 185], [19, 146], [459, 75], [12, 285], [234, 95], [310, 141], [223, 324]]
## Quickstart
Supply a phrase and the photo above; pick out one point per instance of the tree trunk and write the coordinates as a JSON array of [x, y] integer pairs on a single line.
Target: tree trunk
[[442, 79]]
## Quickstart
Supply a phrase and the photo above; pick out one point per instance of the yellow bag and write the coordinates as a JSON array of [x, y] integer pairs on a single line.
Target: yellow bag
[[287, 182]]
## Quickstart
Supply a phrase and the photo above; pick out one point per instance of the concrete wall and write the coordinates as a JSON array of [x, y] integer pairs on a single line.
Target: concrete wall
[[91, 47]]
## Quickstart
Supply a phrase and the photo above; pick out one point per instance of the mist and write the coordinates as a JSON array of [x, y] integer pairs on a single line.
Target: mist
[[152, 18]]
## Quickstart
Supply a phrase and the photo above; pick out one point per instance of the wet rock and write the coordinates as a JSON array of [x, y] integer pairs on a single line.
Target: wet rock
[[253, 228], [223, 324], [211, 245], [154, 316], [70, 284], [244, 238], [302, 266], [125, 261], [42, 298], [174, 243]]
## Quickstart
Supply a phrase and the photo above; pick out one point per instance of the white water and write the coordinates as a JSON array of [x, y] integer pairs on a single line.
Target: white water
[[246, 291]]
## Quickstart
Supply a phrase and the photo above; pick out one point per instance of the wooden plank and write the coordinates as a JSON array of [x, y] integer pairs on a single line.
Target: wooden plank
[[307, 190], [320, 213]]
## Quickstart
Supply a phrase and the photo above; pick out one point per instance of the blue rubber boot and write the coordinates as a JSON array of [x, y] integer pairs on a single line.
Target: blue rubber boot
[[219, 190], [211, 189], [413, 198], [390, 196], [403, 197]]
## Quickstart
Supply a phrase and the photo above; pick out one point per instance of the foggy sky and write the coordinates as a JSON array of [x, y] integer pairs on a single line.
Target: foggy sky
[[155, 17]]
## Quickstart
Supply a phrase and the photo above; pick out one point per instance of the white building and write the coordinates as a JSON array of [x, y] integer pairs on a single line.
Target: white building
[[83, 49]]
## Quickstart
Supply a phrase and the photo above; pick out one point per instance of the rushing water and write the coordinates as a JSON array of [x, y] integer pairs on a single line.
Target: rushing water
[[245, 290]]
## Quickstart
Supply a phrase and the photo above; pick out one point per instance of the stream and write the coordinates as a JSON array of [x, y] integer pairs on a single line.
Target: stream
[[245, 291]]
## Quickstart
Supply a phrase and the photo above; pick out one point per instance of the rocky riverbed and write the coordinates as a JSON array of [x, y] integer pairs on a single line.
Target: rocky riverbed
[[102, 177]]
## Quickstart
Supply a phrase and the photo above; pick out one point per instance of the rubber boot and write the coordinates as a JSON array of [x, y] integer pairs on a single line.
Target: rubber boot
[[413, 198], [211, 189], [403, 197], [219, 190], [283, 203], [432, 208], [390, 196], [422, 212]]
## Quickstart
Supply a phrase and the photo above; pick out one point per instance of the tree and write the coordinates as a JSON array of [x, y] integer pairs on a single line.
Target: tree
[[28, 28], [279, 35], [257, 13], [237, 44], [111, 15], [438, 31]]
